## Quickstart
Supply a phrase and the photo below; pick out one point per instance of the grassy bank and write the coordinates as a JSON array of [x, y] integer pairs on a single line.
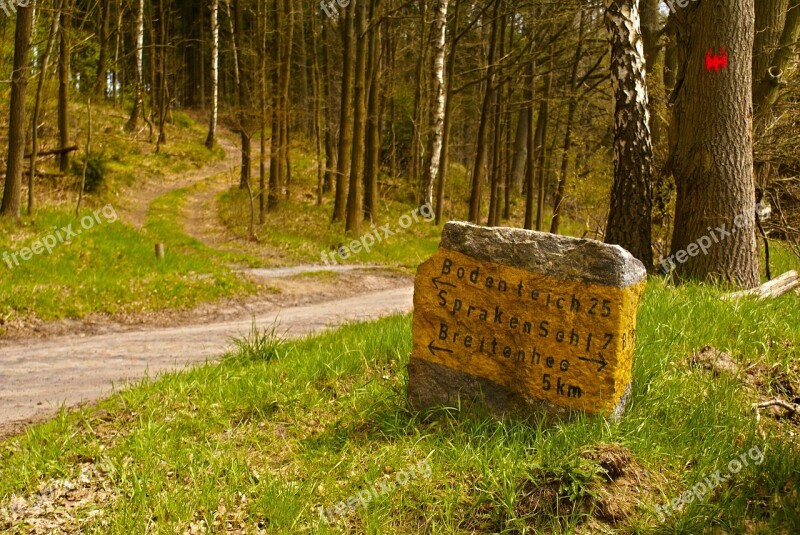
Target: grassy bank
[[262, 440]]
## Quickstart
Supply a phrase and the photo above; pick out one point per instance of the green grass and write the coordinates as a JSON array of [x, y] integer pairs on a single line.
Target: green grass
[[265, 438], [109, 268]]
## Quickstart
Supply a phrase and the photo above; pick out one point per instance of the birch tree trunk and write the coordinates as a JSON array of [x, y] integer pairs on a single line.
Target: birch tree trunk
[[212, 124], [434, 152], [138, 100], [630, 217], [444, 159]]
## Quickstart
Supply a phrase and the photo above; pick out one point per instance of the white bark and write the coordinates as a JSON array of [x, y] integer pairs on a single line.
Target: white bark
[[439, 40], [140, 47], [139, 83], [212, 127]]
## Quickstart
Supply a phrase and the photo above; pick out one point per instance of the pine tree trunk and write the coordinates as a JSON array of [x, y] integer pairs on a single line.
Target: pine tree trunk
[[330, 138], [354, 196], [573, 106], [539, 147], [630, 217], [318, 109], [16, 119], [102, 60], [63, 84], [373, 132], [345, 120], [479, 169], [532, 141], [712, 146], [275, 173], [37, 102]]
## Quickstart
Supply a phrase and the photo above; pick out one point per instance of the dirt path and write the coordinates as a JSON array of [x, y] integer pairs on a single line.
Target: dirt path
[[37, 377], [70, 362], [138, 200]]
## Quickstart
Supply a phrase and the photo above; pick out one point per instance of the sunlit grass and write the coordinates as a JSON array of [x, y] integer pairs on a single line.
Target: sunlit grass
[[266, 441]]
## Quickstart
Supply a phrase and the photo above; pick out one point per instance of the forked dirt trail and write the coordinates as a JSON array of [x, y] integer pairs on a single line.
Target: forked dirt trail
[[71, 362]]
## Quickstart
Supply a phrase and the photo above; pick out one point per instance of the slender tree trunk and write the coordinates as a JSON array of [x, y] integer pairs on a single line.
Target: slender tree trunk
[[354, 196], [539, 146], [479, 170], [16, 120], [415, 160], [319, 110], [630, 217], [497, 178], [243, 89], [275, 174], [712, 147], [212, 123], [116, 90], [777, 32], [520, 149], [45, 63], [434, 152], [330, 139], [63, 84], [532, 140], [163, 97], [444, 159], [573, 106], [345, 121], [373, 131], [286, 70], [138, 99], [102, 60], [263, 23]]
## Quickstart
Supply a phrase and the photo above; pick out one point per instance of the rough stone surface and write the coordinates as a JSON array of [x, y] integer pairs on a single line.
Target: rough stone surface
[[524, 323]]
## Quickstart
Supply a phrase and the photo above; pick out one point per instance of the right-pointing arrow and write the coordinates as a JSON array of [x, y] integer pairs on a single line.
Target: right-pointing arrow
[[601, 361]]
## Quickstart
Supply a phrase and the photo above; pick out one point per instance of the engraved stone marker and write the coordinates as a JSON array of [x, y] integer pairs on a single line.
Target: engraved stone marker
[[525, 321]]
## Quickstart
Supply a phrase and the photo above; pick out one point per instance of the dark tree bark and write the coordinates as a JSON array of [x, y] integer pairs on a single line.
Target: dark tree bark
[[345, 120], [712, 146], [354, 195], [630, 217], [37, 102], [63, 83], [102, 59], [573, 106], [16, 117], [479, 169], [373, 131], [330, 138]]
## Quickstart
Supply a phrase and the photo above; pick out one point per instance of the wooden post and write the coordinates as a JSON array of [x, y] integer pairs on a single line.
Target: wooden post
[[160, 251]]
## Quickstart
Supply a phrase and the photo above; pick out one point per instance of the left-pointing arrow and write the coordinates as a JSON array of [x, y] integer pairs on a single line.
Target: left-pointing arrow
[[433, 349], [437, 281]]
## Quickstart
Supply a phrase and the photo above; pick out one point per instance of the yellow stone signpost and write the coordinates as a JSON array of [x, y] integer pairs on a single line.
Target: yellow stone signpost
[[520, 331]]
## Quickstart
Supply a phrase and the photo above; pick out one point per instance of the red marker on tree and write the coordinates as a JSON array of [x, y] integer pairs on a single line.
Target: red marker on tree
[[717, 62]]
